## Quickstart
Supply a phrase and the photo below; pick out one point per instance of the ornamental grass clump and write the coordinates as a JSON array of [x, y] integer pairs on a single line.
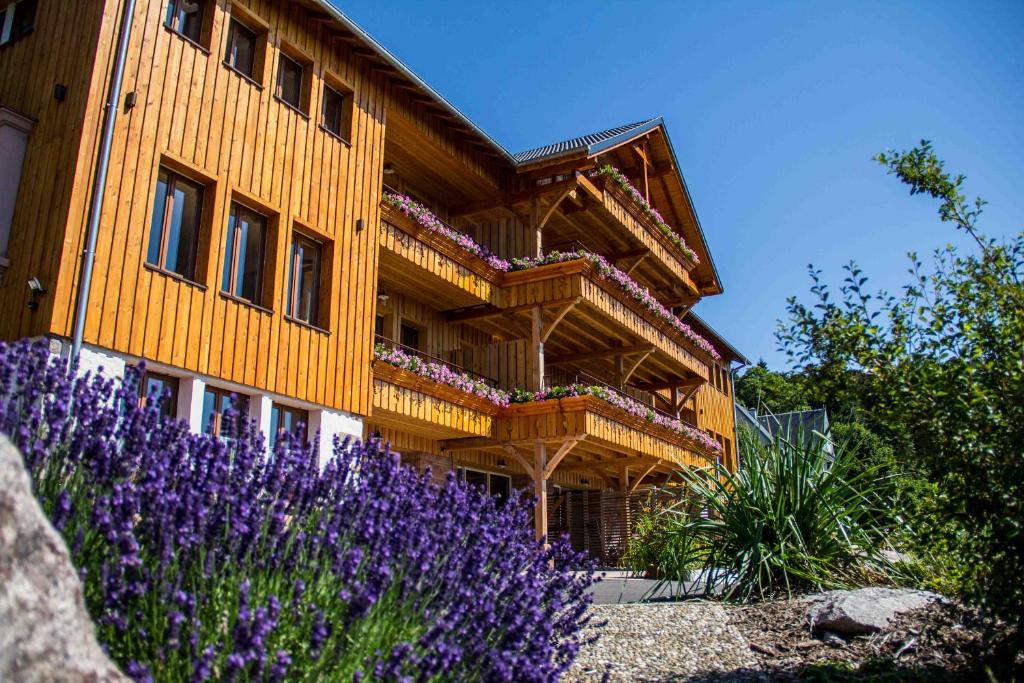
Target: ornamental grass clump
[[794, 517], [206, 558]]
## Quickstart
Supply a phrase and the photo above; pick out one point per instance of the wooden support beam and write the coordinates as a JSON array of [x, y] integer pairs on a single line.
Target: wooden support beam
[[559, 316], [521, 459], [609, 352], [633, 266], [614, 463], [635, 365], [678, 383], [682, 300], [483, 311], [563, 451], [636, 482]]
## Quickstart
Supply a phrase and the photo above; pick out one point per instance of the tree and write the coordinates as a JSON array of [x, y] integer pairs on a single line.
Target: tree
[[760, 388], [945, 363]]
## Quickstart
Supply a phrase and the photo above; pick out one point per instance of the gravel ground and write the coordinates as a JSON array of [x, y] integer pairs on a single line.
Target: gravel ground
[[708, 642], [683, 641]]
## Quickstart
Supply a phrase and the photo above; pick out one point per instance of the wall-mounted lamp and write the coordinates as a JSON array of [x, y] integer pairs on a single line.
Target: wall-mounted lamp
[[35, 287], [60, 92], [382, 296], [388, 169], [131, 99], [502, 464], [360, 224], [585, 481]]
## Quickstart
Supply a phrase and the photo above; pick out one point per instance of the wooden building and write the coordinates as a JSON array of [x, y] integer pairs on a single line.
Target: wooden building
[[277, 201]]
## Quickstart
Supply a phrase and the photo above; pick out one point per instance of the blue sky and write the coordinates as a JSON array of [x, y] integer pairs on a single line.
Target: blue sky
[[775, 110]]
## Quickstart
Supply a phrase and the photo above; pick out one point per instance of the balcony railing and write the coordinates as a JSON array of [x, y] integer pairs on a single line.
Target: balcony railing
[[564, 378], [411, 351]]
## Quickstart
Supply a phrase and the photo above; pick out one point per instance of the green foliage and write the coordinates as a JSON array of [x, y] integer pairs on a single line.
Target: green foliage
[[794, 517], [945, 364], [762, 389]]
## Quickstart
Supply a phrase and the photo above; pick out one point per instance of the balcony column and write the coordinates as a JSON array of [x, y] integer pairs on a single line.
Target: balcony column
[[675, 402], [537, 348], [540, 489]]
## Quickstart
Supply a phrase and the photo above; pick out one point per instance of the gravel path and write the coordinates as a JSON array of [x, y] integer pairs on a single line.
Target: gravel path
[[684, 641]]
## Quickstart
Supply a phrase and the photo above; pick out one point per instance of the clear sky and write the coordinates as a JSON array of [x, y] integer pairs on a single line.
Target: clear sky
[[774, 108]]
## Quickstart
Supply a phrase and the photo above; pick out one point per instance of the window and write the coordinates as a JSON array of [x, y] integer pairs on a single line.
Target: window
[[410, 336], [241, 52], [185, 17], [174, 234], [287, 420], [304, 280], [216, 403], [162, 391], [17, 20], [497, 485], [290, 77], [14, 132], [337, 113], [244, 253]]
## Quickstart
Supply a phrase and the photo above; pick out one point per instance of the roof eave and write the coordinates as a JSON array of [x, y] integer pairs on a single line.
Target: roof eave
[[399, 66]]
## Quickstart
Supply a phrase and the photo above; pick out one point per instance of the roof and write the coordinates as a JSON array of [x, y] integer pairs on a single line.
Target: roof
[[716, 337], [396, 63], [810, 425], [593, 143]]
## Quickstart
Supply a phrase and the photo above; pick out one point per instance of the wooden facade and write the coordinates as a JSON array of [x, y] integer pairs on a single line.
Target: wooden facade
[[189, 111]]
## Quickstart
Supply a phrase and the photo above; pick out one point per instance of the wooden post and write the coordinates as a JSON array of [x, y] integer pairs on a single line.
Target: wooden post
[[620, 371], [540, 489], [537, 348], [675, 402], [537, 227]]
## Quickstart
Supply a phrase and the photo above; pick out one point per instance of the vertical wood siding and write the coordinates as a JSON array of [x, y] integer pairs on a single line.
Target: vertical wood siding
[[195, 114]]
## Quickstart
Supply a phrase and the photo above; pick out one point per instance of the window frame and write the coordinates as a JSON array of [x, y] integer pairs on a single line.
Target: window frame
[[165, 224], [293, 291], [10, 14], [172, 400], [488, 487], [242, 403], [296, 413], [415, 329], [346, 101], [234, 24], [231, 260], [301, 103], [202, 37]]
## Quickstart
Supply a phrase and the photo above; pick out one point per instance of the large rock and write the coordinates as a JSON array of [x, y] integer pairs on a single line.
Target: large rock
[[865, 610], [46, 634]]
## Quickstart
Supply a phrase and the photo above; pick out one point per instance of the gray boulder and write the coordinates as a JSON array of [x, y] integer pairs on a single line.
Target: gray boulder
[[865, 610], [46, 634]]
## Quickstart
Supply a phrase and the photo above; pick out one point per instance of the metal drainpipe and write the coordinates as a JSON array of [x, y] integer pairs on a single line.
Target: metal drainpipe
[[735, 431], [110, 114]]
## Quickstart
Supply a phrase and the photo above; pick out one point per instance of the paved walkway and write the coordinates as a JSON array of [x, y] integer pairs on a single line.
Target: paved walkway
[[620, 587]]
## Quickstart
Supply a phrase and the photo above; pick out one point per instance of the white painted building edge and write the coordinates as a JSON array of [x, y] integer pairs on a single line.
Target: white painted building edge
[[324, 423]]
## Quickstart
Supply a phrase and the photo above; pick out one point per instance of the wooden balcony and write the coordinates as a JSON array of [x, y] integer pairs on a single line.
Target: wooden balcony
[[429, 266], [590, 322], [406, 401]]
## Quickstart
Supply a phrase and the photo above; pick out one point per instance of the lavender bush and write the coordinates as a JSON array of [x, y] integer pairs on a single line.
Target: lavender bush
[[208, 558]]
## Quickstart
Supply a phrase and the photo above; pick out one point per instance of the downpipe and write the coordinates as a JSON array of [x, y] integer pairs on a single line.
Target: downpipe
[[96, 199]]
